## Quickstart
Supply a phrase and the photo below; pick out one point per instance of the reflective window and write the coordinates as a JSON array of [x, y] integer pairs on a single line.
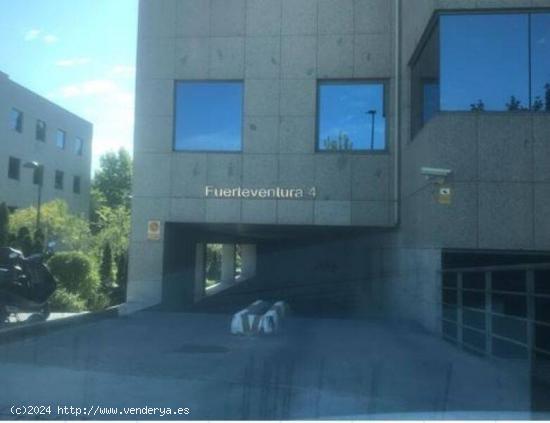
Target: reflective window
[[351, 116], [16, 120], [482, 62], [78, 146], [208, 116], [14, 168], [40, 131], [60, 138], [58, 183], [540, 68]]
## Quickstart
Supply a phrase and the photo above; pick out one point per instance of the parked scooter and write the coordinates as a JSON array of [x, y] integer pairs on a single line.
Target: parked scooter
[[26, 284]]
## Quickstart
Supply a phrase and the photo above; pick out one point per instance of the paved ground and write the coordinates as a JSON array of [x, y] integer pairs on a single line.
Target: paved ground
[[319, 368]]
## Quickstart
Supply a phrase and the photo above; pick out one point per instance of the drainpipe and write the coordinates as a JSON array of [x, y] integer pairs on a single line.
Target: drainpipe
[[397, 120]]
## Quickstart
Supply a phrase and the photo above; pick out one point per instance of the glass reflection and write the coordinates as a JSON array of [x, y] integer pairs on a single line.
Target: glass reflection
[[484, 62], [540, 68], [208, 116], [351, 117]]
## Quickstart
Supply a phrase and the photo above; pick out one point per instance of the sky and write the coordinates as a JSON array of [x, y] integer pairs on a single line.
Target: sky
[[79, 54]]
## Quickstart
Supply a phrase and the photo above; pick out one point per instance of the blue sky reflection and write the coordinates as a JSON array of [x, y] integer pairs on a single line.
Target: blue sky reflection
[[343, 109], [208, 116]]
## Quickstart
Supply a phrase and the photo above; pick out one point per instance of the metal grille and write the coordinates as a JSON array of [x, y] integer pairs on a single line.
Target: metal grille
[[501, 311]]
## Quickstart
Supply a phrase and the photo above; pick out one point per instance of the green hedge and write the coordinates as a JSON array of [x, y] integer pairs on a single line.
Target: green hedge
[[77, 280]]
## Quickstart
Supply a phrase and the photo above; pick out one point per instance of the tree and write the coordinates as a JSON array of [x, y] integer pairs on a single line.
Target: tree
[[113, 182], [4, 225], [39, 242], [477, 107], [342, 142], [547, 97], [106, 268], [24, 240], [58, 224]]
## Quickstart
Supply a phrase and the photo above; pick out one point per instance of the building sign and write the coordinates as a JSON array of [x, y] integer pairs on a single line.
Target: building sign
[[276, 193], [444, 195], [153, 230]]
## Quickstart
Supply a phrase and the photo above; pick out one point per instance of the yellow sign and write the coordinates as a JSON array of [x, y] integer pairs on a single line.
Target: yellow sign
[[153, 230], [444, 195]]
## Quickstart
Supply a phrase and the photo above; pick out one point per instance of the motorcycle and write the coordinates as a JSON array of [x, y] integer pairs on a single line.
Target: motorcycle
[[26, 284]]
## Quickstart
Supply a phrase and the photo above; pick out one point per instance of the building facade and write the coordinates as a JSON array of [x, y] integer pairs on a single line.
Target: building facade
[[35, 130], [342, 149]]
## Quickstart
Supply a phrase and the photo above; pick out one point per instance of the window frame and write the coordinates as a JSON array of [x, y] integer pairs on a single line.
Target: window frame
[[79, 146], [20, 113], [64, 139], [10, 176], [36, 138], [61, 185], [385, 82], [207, 81], [75, 185], [427, 33]]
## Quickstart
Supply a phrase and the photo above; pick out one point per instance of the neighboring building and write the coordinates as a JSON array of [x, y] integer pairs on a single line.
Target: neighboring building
[[33, 129], [347, 100]]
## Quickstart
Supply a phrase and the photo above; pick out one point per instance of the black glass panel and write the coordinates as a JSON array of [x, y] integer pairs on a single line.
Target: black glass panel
[[449, 296], [474, 339], [473, 280], [540, 67], [450, 313], [542, 282], [513, 305], [542, 309], [505, 349], [474, 319], [542, 337], [484, 62], [510, 328], [450, 280], [513, 281], [473, 299]]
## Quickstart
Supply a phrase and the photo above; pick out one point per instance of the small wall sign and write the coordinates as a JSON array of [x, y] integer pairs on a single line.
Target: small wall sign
[[153, 230], [444, 195]]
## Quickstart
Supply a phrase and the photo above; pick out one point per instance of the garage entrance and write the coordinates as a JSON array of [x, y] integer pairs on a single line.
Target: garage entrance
[[219, 268]]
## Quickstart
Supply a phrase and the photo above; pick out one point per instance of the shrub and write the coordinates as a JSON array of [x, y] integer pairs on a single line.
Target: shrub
[[97, 301], [75, 273], [63, 301]]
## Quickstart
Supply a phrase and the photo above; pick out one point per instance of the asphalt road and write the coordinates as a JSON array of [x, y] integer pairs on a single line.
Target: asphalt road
[[317, 368]]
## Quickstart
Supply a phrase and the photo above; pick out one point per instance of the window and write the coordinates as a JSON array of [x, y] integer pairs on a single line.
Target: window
[[76, 184], [14, 168], [38, 175], [16, 120], [482, 62], [540, 66], [40, 134], [208, 116], [351, 116], [78, 146], [60, 138], [58, 184]]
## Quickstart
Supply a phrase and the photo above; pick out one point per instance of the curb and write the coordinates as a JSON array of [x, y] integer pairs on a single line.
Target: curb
[[23, 331]]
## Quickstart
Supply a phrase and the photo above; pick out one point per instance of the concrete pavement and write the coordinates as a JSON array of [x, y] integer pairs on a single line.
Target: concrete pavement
[[318, 368]]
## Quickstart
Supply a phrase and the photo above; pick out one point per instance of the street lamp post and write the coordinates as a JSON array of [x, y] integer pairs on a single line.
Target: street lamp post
[[38, 176], [373, 114]]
